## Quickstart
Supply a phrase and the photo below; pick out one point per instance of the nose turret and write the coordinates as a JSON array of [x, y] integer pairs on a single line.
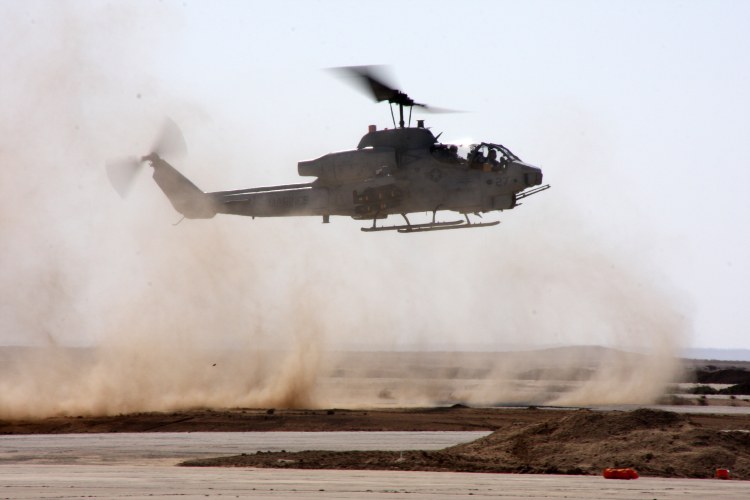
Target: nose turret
[[525, 175], [532, 176], [529, 180]]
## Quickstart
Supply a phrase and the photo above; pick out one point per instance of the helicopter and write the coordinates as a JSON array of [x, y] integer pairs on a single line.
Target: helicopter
[[394, 171]]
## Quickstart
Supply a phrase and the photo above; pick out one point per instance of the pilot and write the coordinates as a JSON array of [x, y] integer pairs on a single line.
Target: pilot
[[491, 163], [492, 157], [476, 160]]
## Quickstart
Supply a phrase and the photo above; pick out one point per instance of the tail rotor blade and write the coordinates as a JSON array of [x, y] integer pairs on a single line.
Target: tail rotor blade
[[170, 142], [122, 173]]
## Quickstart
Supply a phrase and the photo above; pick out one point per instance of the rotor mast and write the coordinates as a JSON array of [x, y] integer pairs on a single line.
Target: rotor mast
[[373, 82], [402, 100]]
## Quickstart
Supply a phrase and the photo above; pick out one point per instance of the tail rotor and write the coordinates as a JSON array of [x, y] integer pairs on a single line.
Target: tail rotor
[[122, 173], [170, 143]]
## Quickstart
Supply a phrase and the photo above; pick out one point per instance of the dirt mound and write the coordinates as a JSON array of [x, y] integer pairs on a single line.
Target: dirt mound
[[598, 425], [655, 443], [722, 376], [742, 389]]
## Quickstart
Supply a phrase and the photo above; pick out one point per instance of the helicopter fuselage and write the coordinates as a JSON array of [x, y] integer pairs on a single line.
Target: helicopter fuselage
[[397, 171]]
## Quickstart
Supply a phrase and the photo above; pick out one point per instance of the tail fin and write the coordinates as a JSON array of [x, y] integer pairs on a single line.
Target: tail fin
[[185, 196]]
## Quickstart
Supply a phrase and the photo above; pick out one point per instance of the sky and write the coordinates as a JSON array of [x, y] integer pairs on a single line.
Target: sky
[[637, 112]]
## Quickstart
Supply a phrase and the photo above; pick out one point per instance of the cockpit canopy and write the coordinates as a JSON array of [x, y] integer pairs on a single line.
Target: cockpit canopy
[[490, 157], [486, 150]]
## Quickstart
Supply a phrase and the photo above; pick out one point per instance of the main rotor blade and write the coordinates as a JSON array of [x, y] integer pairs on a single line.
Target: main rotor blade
[[122, 173], [170, 143], [373, 82], [436, 111]]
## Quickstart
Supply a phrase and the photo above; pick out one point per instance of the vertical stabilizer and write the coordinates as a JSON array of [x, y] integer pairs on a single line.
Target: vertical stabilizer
[[185, 196]]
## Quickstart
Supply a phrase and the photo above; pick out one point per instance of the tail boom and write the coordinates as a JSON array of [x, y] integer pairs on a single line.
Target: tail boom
[[272, 201]]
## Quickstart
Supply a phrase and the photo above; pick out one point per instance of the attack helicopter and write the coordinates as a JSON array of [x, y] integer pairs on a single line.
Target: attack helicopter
[[398, 171]]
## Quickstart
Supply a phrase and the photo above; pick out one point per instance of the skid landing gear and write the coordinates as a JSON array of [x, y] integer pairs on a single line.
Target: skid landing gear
[[429, 226]]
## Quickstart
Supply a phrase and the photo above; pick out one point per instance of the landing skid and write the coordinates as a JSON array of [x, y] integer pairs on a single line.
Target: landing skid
[[407, 228], [429, 226], [433, 227]]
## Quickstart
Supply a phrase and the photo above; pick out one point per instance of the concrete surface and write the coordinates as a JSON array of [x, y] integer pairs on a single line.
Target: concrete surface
[[131, 481], [119, 466], [173, 447]]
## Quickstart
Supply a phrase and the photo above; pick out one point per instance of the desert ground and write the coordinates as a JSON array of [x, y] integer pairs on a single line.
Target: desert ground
[[524, 440], [705, 427]]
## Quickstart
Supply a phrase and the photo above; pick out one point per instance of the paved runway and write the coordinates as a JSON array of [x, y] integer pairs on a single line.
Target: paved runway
[[130, 466], [173, 447], [130, 481]]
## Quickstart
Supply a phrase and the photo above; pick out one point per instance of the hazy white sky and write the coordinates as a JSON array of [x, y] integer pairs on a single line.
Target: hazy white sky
[[637, 111]]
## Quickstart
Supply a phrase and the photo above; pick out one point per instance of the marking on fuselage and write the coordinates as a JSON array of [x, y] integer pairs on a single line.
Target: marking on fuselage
[[289, 201]]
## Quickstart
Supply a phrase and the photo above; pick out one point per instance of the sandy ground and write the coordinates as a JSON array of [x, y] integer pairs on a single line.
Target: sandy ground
[[254, 420], [140, 465], [523, 440], [702, 433]]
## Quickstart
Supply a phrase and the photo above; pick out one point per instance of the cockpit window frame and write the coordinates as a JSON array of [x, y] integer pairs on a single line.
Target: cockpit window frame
[[505, 152], [477, 160]]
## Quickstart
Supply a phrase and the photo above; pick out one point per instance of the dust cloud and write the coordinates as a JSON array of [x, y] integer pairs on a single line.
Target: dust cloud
[[108, 307], [542, 320], [116, 312], [577, 296]]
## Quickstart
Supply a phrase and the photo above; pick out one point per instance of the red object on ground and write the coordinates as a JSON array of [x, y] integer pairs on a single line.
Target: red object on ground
[[722, 473], [620, 473]]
